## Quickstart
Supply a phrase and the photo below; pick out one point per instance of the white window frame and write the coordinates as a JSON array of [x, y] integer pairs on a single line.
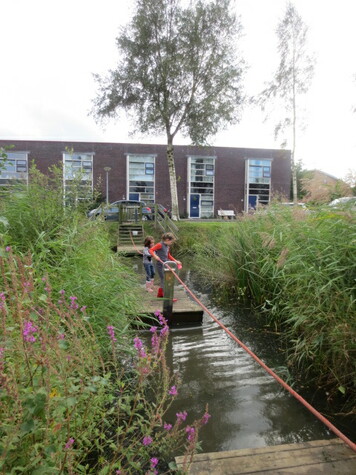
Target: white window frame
[[22, 176], [144, 155], [189, 176]]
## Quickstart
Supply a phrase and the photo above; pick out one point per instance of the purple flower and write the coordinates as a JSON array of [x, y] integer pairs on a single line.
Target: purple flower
[[181, 416], [28, 330], [191, 433], [142, 353], [205, 418], [153, 329], [61, 336], [138, 343], [167, 427], [173, 391], [69, 443], [83, 308], [154, 462], [155, 343], [2, 299], [147, 440], [62, 292], [8, 248], [111, 332], [164, 330]]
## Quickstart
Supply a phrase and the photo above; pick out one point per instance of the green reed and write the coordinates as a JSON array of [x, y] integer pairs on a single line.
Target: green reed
[[299, 270]]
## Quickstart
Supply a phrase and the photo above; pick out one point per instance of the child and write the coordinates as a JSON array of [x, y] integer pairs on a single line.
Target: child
[[160, 252], [147, 263]]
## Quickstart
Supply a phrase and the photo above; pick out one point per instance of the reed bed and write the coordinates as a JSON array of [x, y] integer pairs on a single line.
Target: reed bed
[[298, 270]]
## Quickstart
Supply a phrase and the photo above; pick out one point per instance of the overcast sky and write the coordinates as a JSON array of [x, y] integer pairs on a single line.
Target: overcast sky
[[49, 50]]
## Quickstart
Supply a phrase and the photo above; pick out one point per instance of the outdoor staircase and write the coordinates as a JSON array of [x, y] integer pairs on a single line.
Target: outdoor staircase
[[130, 235]]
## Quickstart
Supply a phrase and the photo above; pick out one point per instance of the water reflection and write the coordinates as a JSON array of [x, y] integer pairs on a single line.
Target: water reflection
[[248, 407]]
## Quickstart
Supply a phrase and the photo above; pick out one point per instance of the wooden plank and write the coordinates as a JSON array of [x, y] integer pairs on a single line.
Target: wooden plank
[[185, 310], [329, 456]]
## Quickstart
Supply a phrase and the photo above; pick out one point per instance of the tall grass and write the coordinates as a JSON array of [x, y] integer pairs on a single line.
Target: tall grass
[[78, 393], [299, 271]]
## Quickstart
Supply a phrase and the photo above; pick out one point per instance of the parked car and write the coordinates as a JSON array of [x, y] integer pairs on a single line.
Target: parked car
[[345, 201], [111, 211]]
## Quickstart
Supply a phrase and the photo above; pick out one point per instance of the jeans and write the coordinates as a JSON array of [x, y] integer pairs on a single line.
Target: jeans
[[150, 271]]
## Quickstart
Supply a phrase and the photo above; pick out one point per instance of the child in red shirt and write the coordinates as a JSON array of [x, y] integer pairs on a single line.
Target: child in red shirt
[[161, 253]]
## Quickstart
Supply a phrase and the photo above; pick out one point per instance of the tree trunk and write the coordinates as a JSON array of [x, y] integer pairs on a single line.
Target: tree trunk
[[172, 181]]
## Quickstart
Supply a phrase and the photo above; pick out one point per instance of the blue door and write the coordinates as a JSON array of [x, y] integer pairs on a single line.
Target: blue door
[[195, 205], [252, 201]]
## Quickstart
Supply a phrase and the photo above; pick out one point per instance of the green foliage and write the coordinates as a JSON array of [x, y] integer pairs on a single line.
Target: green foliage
[[298, 268], [291, 79], [178, 70], [65, 409], [76, 396]]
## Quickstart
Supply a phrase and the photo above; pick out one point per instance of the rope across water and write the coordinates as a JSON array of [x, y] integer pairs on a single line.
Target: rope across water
[[286, 386]]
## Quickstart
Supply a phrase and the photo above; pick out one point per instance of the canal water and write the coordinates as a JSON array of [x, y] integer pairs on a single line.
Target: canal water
[[248, 407]]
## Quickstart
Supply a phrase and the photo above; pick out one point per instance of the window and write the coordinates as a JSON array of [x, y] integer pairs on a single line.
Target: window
[[258, 180], [141, 177], [201, 182], [78, 176], [14, 168]]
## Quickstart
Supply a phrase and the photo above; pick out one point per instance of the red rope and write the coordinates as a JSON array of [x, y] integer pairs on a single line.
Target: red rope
[[271, 372]]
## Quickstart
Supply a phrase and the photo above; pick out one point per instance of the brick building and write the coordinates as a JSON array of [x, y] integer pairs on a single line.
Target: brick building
[[208, 178]]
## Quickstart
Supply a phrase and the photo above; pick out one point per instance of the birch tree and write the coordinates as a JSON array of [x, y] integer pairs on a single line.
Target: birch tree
[[178, 72], [291, 80]]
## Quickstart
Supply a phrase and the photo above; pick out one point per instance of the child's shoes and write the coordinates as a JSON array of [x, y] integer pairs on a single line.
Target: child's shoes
[[149, 287]]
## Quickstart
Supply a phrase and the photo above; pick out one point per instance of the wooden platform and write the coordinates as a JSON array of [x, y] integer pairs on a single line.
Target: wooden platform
[[185, 310], [128, 250], [317, 457]]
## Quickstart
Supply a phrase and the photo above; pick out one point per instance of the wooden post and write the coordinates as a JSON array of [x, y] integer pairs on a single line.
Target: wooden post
[[168, 289]]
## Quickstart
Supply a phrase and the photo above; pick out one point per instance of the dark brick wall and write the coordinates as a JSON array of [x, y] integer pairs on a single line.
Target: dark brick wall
[[229, 171]]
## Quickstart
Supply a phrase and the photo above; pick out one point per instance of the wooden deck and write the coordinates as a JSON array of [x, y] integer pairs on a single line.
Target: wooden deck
[[185, 310], [317, 457], [128, 250]]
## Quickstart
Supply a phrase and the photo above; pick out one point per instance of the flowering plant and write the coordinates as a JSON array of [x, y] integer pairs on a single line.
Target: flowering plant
[[66, 408]]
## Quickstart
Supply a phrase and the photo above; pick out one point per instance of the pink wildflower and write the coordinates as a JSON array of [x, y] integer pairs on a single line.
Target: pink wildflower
[[205, 418], [181, 416], [28, 331], [138, 343], [154, 462], [191, 433], [69, 443], [62, 292], [147, 440], [167, 427], [2, 300], [83, 308], [173, 391], [8, 248], [111, 332], [153, 329], [61, 336], [155, 343]]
